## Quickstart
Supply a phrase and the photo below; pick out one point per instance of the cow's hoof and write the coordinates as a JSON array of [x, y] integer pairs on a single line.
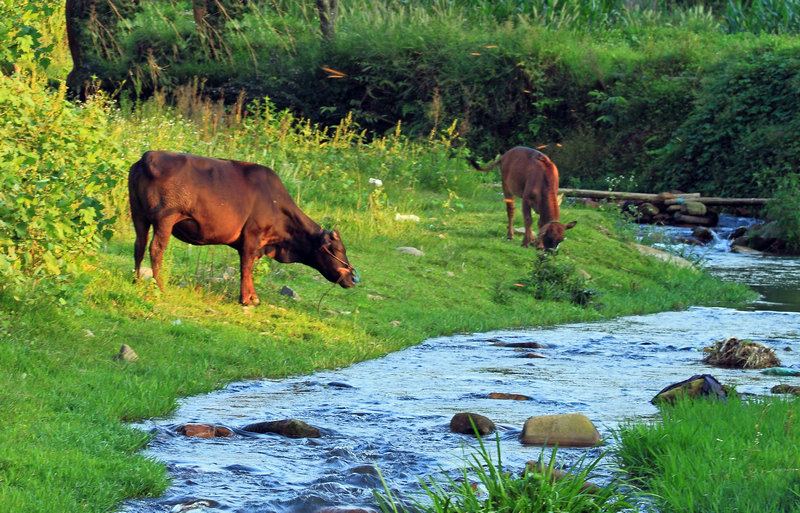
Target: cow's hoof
[[253, 300]]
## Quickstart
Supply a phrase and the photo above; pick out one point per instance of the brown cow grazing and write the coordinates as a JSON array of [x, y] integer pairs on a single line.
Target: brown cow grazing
[[202, 200], [532, 176]]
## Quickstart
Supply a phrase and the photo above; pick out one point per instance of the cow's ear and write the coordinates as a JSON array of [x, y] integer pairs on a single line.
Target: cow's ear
[[335, 235], [570, 225]]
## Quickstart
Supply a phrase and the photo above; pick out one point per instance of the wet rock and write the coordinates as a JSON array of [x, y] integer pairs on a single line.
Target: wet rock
[[741, 354], [662, 255], [532, 355], [557, 474], [344, 509], [194, 504], [700, 385], [338, 384], [738, 248], [204, 431], [126, 354], [566, 430], [786, 389], [460, 423], [410, 251], [738, 232], [508, 397], [291, 428], [703, 234], [525, 345], [766, 238]]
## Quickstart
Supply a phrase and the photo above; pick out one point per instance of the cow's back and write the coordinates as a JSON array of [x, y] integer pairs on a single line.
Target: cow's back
[[214, 198]]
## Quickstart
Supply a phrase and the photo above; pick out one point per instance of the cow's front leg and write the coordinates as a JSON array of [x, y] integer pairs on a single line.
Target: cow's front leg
[[247, 294], [526, 214], [510, 213]]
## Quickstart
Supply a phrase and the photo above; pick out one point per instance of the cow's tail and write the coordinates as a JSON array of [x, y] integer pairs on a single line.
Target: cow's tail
[[487, 167]]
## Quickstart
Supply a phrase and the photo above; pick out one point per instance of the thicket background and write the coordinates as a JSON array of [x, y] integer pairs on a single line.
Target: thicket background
[[648, 94], [626, 95]]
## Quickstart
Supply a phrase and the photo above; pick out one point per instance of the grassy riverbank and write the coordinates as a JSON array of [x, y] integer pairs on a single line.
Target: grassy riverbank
[[65, 446]]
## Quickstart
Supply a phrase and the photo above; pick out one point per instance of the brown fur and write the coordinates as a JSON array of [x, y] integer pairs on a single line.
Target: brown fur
[[532, 176], [202, 200]]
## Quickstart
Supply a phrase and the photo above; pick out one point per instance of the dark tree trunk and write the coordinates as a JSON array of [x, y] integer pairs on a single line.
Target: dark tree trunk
[[328, 11]]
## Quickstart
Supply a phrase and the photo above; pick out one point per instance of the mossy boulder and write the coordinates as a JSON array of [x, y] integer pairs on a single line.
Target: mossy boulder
[[565, 430]]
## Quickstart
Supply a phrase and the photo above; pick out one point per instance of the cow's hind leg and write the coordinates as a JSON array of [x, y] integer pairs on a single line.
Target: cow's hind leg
[[526, 214], [510, 212], [142, 228]]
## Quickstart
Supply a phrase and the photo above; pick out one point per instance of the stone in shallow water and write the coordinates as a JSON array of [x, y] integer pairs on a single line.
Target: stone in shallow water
[[460, 423], [566, 430], [204, 431], [291, 428]]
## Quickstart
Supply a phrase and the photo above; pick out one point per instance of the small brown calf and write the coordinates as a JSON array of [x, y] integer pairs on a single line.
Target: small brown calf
[[532, 176]]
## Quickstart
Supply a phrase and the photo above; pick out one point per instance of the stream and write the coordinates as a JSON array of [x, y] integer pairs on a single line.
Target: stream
[[393, 413]]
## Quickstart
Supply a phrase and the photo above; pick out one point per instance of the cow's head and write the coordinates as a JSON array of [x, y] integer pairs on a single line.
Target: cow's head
[[331, 260], [551, 234]]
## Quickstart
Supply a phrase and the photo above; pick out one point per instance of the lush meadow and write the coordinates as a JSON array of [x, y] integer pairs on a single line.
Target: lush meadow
[[67, 301]]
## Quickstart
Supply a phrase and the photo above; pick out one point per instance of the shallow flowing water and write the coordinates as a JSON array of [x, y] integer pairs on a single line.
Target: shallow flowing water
[[393, 413]]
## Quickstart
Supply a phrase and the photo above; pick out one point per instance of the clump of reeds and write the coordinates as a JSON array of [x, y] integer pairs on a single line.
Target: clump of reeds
[[741, 354]]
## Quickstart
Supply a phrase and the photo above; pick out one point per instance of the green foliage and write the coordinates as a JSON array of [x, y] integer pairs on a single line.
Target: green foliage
[[56, 178], [746, 113], [716, 456], [25, 41], [770, 16], [785, 209], [556, 280], [485, 487]]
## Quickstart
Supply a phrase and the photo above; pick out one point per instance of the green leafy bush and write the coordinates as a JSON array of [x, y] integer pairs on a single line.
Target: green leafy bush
[[744, 121], [785, 210], [556, 280], [55, 179]]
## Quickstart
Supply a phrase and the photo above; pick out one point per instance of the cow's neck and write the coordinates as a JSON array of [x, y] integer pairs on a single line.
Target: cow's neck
[[302, 240], [549, 210]]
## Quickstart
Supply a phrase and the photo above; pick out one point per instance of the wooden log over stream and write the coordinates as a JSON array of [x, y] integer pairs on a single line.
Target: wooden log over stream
[[667, 207], [666, 197]]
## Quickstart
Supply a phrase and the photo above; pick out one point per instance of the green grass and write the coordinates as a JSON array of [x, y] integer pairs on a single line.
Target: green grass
[[64, 396], [708, 456], [483, 486]]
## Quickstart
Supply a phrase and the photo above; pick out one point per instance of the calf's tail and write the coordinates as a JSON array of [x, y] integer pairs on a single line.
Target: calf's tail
[[487, 167]]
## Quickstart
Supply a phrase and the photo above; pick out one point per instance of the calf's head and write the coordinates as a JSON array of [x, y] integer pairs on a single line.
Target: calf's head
[[551, 234], [331, 261]]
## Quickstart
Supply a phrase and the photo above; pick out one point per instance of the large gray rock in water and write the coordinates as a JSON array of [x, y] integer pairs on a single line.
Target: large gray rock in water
[[291, 428], [460, 423], [565, 430], [699, 385]]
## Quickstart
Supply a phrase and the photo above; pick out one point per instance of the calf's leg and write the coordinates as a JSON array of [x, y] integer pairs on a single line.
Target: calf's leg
[[526, 213]]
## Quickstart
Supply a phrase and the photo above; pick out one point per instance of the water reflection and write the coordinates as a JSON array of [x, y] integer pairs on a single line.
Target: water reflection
[[393, 413]]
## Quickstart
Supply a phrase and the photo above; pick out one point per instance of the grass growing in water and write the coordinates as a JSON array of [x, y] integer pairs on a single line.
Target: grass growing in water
[[702, 456], [485, 487]]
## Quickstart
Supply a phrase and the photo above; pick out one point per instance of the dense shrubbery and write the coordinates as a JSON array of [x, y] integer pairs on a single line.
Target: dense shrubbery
[[744, 131], [609, 84], [56, 178]]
